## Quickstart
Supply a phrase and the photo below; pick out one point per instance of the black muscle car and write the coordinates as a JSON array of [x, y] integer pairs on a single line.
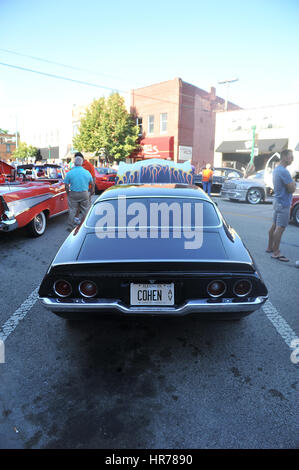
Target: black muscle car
[[153, 249]]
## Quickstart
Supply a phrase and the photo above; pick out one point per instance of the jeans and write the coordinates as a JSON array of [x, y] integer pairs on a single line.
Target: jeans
[[207, 186]]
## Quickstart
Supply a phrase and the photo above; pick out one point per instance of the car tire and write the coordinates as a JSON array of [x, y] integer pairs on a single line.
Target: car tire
[[37, 226], [254, 196], [295, 215]]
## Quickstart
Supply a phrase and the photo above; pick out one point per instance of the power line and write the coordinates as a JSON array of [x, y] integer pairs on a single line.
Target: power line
[[82, 82], [59, 63], [56, 76]]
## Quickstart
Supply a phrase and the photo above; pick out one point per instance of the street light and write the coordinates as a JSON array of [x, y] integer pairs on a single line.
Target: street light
[[227, 82]]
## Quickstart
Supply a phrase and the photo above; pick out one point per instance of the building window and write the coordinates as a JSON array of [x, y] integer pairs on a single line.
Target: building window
[[139, 124], [150, 124], [163, 123], [8, 150]]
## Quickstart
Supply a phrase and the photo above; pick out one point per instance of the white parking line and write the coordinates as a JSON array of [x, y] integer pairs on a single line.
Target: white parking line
[[10, 325], [279, 323]]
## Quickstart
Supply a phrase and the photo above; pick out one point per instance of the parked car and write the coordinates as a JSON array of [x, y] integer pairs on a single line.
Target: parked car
[[129, 262], [34, 195], [255, 189], [105, 177], [295, 209], [220, 175]]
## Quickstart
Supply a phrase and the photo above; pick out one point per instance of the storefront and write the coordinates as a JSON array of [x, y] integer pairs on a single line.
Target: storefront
[[268, 130], [237, 153], [155, 147]]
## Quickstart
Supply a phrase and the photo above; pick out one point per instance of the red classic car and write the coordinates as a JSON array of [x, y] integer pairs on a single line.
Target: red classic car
[[105, 177], [30, 195], [295, 208]]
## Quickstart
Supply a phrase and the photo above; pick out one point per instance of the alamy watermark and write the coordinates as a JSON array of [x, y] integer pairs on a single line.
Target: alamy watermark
[[151, 220], [2, 352], [295, 353]]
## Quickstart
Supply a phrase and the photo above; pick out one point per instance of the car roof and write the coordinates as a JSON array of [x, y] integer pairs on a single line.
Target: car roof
[[154, 190], [227, 168]]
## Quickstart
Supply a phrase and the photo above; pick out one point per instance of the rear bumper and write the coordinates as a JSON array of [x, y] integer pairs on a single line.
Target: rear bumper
[[101, 306], [8, 225]]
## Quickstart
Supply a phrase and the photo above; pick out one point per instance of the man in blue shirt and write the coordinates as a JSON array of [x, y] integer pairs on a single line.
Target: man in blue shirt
[[284, 186], [77, 182]]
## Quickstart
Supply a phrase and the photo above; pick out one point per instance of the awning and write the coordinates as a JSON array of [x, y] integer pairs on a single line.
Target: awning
[[242, 146], [156, 147]]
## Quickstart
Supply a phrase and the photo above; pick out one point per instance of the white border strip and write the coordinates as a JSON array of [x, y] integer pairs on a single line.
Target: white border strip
[[279, 323], [10, 325]]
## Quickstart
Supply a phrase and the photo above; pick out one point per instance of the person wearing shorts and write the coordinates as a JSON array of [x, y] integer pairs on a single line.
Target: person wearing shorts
[[284, 186]]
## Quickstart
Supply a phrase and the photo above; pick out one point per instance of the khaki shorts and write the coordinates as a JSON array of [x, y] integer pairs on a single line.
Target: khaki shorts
[[281, 215]]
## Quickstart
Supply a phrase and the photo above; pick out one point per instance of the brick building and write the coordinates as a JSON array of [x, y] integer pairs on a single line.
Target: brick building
[[177, 121], [7, 145]]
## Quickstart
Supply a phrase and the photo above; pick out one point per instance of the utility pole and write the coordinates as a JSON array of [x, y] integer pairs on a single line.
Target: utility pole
[[227, 83], [17, 144]]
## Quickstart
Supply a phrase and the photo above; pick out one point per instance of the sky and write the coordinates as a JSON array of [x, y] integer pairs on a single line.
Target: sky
[[120, 45]]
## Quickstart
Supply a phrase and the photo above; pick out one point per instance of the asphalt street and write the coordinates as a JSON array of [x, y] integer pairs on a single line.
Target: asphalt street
[[149, 383]]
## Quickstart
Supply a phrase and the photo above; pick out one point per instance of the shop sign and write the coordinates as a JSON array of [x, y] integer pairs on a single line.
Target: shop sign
[[185, 153]]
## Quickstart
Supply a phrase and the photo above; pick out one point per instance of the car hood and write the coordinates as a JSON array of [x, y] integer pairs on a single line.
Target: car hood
[[244, 182]]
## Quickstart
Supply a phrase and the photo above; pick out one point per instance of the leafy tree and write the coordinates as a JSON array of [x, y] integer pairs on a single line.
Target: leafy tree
[[3, 131], [107, 125], [25, 151]]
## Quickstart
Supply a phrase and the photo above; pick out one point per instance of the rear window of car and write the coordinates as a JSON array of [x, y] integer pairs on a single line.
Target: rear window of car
[[158, 211]]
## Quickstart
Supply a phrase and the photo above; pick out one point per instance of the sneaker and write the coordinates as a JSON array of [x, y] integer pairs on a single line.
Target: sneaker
[[77, 221]]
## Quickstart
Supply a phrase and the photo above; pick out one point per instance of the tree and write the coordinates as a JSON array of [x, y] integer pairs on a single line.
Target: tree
[[25, 151], [3, 131], [107, 125]]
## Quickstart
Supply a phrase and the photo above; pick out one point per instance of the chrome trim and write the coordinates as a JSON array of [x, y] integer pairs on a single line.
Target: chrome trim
[[243, 295], [84, 295], [113, 306], [24, 204], [58, 213], [59, 295], [8, 225], [130, 260], [219, 295]]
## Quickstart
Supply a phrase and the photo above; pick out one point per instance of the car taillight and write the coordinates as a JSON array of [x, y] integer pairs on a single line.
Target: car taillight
[[242, 288], [88, 289], [62, 288], [216, 288]]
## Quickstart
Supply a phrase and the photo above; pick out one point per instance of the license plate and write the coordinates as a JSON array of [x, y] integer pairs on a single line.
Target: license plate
[[152, 294]]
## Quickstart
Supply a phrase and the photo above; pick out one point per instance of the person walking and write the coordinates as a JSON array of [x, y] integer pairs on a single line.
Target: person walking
[[207, 176], [89, 167], [284, 186], [77, 183]]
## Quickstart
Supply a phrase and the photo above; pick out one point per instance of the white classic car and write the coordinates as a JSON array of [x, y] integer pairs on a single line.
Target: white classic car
[[254, 189]]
